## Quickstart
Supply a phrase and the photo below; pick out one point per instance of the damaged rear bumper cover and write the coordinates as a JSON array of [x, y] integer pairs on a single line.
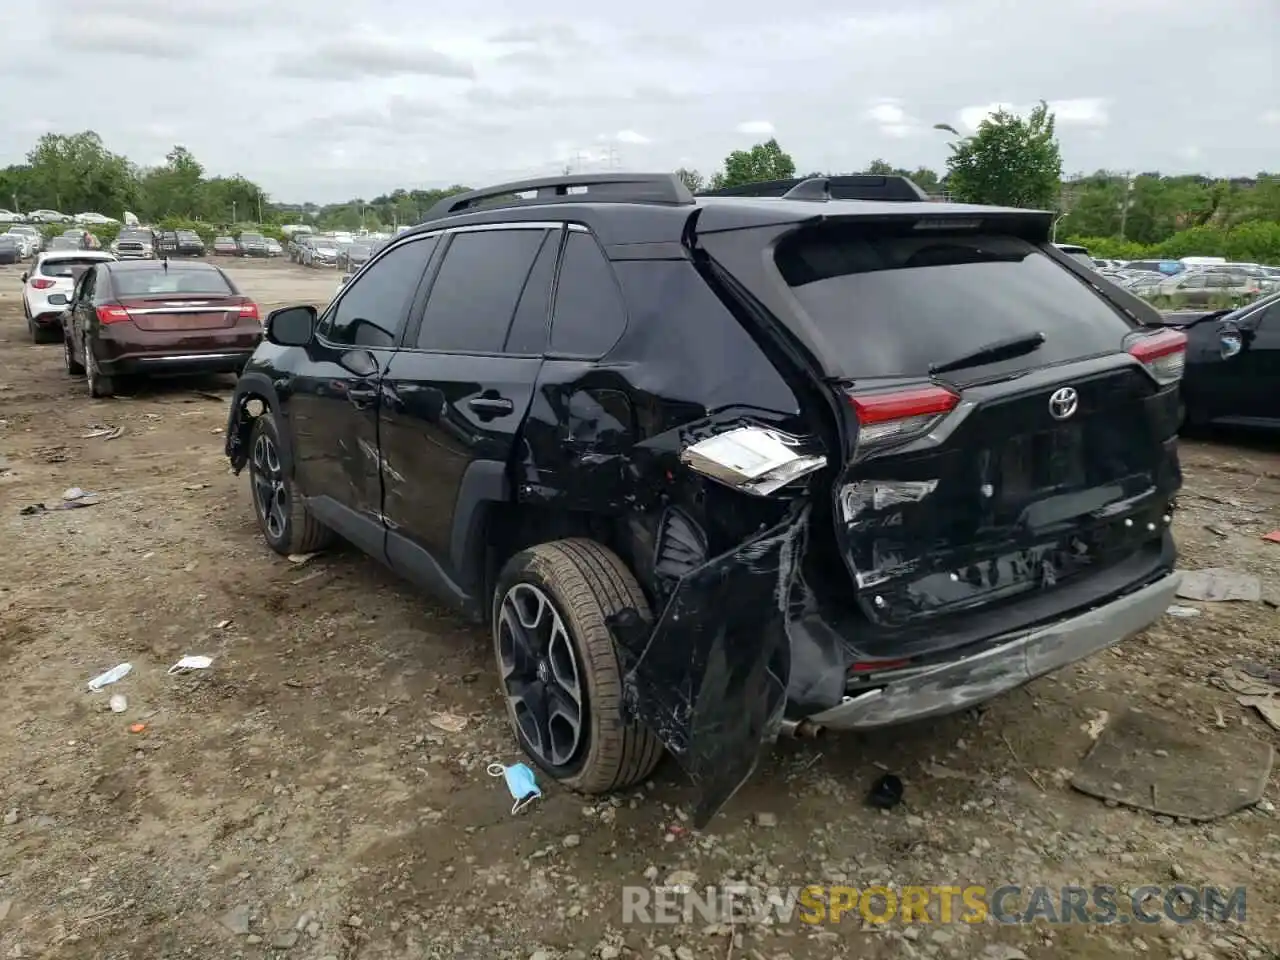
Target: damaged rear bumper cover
[[957, 684]]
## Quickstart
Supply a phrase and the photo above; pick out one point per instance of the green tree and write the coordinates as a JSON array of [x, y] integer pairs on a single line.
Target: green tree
[[926, 179], [764, 161], [75, 173], [174, 189], [1010, 161]]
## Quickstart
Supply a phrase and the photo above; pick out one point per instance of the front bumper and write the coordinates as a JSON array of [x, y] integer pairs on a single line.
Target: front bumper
[[957, 684]]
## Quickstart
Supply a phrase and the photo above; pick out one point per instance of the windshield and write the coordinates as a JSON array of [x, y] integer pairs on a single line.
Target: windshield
[[142, 283], [134, 235], [899, 302], [63, 243], [67, 267], [250, 238]]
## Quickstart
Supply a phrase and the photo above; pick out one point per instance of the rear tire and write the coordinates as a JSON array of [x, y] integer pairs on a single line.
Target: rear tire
[[38, 333], [101, 386], [286, 523], [74, 367], [570, 586]]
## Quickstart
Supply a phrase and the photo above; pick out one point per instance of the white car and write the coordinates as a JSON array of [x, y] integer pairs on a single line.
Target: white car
[[8, 216], [29, 240], [96, 219], [49, 216], [48, 285]]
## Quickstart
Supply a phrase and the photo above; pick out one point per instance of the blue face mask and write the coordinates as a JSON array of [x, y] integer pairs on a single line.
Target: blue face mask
[[520, 783]]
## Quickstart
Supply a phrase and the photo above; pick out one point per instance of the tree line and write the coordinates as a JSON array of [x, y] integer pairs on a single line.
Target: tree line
[[1010, 160]]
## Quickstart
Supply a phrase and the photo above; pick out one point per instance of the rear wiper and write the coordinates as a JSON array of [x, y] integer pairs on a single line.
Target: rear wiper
[[991, 352]]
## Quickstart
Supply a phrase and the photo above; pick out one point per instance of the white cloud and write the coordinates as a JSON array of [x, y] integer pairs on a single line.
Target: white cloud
[[397, 95], [1081, 111], [887, 114], [631, 136]]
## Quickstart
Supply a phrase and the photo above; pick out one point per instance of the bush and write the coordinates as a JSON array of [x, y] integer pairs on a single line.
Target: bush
[[1254, 241]]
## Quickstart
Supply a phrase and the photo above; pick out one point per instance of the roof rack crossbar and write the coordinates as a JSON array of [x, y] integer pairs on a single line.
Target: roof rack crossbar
[[860, 186], [664, 188]]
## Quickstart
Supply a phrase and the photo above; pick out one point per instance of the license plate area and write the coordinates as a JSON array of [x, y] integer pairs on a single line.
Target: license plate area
[[1037, 464]]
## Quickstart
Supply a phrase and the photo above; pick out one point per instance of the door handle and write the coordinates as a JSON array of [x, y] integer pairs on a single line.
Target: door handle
[[491, 406]]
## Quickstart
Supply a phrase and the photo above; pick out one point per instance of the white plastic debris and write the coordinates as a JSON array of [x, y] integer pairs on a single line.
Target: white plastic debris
[[118, 672], [118, 703], [1180, 611], [196, 662]]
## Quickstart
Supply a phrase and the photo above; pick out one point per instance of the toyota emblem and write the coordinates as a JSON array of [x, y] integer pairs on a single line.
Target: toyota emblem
[[1063, 403]]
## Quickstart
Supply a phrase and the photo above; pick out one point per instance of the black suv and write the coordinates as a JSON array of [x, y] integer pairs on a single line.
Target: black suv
[[722, 467]]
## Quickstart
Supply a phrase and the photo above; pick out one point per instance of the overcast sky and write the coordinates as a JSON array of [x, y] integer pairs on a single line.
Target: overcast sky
[[331, 99]]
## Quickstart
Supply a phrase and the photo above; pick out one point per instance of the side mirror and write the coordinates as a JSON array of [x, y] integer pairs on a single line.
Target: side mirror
[[291, 326], [58, 299], [1230, 340]]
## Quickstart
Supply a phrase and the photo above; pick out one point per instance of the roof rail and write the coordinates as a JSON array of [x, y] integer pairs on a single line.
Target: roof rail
[[596, 187], [860, 186]]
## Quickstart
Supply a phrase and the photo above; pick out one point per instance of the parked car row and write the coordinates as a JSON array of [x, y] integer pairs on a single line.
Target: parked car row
[[345, 251], [53, 216], [247, 245]]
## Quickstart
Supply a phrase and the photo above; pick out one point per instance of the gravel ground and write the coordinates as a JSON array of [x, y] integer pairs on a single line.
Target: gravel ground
[[321, 791]]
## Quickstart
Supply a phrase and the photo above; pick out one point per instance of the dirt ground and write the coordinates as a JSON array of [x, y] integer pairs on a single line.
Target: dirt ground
[[298, 800]]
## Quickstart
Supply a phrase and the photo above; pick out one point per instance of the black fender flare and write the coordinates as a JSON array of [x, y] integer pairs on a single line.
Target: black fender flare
[[239, 421], [484, 483]]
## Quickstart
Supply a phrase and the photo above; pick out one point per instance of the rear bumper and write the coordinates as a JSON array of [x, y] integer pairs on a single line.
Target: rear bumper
[[223, 361], [48, 320], [947, 687]]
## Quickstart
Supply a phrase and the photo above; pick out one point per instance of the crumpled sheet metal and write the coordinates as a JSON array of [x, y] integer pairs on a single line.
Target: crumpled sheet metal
[[710, 677]]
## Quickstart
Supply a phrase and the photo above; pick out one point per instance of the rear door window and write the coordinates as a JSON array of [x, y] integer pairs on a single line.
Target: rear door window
[[473, 299], [890, 303]]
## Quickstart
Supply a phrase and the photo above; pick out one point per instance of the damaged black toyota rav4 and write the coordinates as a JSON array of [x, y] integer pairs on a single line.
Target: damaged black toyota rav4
[[809, 454]]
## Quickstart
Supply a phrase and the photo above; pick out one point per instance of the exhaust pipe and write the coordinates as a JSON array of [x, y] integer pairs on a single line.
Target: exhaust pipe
[[802, 729]]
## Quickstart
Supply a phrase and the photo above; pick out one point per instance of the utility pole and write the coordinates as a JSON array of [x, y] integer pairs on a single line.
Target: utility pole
[[611, 157], [259, 207], [1124, 204]]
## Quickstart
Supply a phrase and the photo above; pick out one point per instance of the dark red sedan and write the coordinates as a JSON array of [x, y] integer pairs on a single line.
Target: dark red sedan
[[150, 317]]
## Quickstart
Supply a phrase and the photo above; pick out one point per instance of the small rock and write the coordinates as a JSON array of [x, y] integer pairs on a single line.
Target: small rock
[[684, 953], [11, 818], [571, 840], [284, 939], [1266, 806], [237, 920], [1140, 945], [1188, 953], [539, 955], [609, 952], [253, 938], [1177, 871], [682, 878], [5, 906], [911, 933], [766, 820], [313, 929], [651, 873], [355, 921], [1001, 951], [1221, 943]]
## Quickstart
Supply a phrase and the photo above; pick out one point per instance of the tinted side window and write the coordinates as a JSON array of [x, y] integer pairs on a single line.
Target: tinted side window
[[529, 328], [374, 308], [89, 284], [473, 298], [589, 315]]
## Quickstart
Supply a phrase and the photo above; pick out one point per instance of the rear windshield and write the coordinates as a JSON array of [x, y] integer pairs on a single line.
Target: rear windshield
[[250, 238], [891, 304], [142, 283], [67, 267]]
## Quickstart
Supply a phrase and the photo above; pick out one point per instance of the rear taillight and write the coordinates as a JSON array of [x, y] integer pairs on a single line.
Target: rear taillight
[[1163, 354], [113, 315], [891, 416], [40, 283], [249, 311]]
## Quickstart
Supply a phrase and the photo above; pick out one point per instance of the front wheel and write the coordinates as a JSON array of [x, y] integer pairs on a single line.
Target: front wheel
[[559, 669], [285, 522]]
